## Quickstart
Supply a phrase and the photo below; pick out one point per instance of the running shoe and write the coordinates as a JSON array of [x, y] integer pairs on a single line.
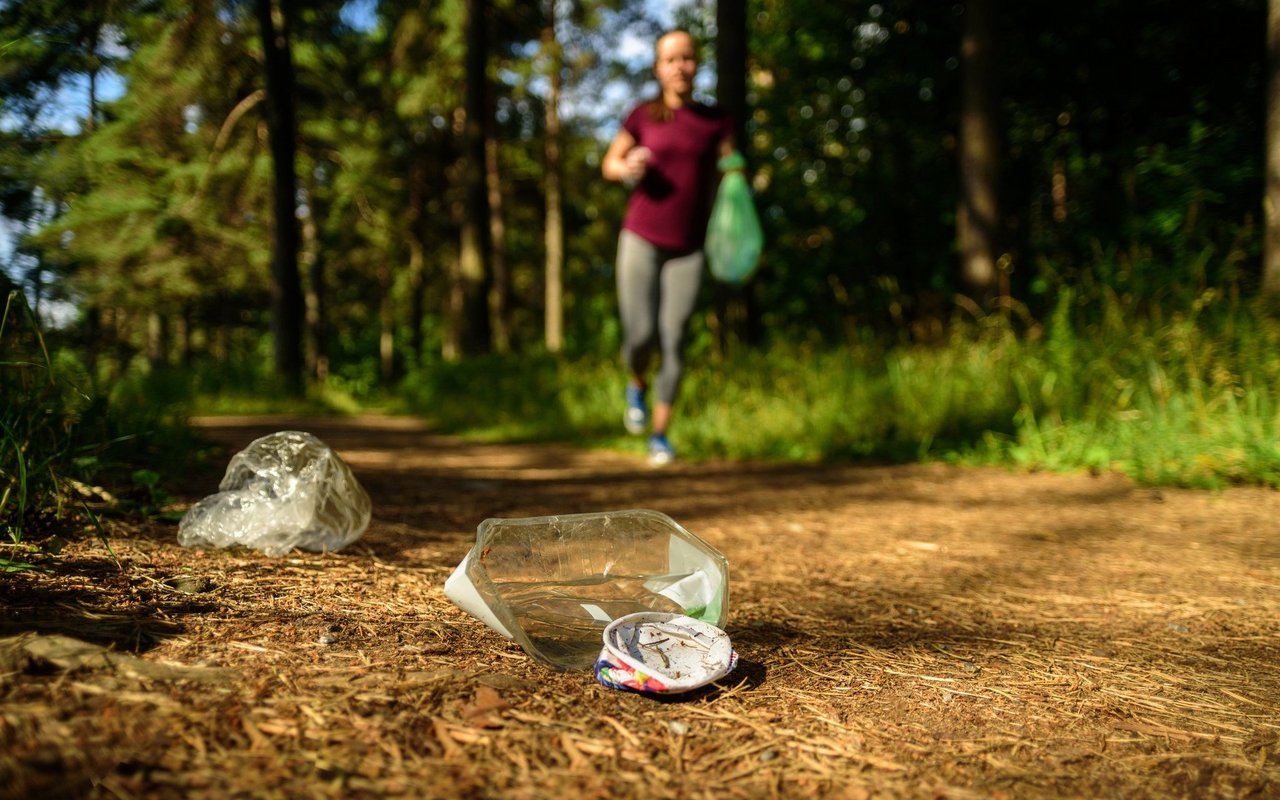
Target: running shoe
[[660, 450], [636, 417]]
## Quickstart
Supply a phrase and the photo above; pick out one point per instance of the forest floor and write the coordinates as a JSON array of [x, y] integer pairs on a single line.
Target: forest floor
[[904, 631]]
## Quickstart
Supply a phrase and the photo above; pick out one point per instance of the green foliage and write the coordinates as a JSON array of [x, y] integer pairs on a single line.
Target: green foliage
[[41, 44], [61, 445], [35, 419], [851, 141], [1129, 182], [1188, 400], [525, 398], [208, 387], [158, 212]]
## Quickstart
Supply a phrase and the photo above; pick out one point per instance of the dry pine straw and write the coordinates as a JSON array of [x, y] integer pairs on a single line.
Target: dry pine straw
[[908, 659]]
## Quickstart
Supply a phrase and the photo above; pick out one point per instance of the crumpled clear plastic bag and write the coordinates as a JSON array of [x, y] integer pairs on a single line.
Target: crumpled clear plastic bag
[[285, 490]]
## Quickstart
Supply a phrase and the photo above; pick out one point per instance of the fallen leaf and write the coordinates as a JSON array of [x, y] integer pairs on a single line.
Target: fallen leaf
[[484, 708]]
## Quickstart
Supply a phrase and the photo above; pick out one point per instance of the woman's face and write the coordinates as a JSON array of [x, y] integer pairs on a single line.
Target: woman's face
[[675, 63]]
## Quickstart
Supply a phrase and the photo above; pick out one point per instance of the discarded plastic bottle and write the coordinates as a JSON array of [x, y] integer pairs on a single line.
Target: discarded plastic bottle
[[554, 583]]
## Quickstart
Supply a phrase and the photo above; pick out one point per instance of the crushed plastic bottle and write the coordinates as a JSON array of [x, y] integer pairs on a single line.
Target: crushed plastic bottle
[[554, 583], [655, 653], [285, 490]]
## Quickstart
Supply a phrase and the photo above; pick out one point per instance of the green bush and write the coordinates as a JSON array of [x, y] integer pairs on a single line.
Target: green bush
[[1185, 398], [63, 447], [37, 416]]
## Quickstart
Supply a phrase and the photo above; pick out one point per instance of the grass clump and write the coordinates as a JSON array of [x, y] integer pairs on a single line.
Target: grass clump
[[68, 454], [1186, 398], [525, 398], [36, 418]]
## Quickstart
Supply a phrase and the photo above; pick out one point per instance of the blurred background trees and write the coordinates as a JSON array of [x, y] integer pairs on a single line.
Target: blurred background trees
[[912, 161]]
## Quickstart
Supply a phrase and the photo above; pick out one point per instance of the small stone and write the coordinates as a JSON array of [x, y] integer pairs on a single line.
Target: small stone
[[327, 639], [677, 727]]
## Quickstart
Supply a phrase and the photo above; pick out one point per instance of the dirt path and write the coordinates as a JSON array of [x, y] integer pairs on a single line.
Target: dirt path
[[918, 631]]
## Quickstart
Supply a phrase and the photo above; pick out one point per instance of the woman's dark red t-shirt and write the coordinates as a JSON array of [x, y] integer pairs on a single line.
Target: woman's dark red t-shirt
[[670, 205]]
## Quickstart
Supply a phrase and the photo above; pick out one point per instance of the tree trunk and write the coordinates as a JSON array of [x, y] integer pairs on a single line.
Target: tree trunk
[[416, 277], [416, 288], [157, 347], [553, 323], [733, 311], [183, 336], [1271, 199], [286, 285], [731, 65], [91, 327], [92, 41], [220, 342], [470, 290], [386, 330], [91, 121], [317, 359], [120, 336], [500, 287], [978, 211]]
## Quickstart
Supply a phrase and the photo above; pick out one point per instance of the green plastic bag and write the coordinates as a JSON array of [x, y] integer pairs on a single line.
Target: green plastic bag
[[734, 236]]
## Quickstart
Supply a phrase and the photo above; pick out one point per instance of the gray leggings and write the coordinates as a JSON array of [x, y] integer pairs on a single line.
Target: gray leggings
[[657, 292]]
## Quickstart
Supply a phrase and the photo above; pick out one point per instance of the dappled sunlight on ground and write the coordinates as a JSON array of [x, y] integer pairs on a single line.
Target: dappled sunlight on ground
[[913, 631]]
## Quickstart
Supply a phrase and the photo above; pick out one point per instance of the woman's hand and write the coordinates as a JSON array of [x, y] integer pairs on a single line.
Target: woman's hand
[[635, 162], [625, 159]]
